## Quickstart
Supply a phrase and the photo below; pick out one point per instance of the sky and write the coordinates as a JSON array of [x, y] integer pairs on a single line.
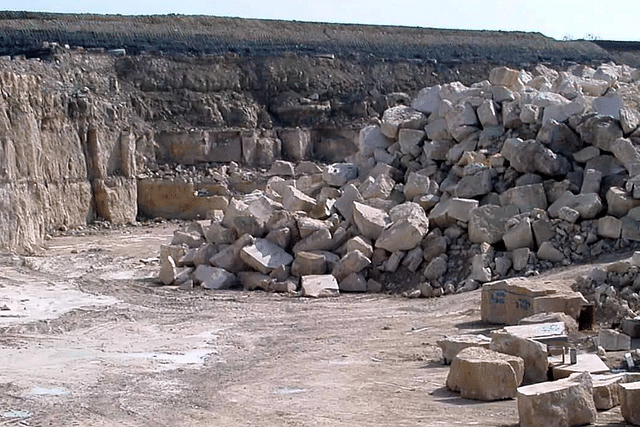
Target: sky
[[560, 19]]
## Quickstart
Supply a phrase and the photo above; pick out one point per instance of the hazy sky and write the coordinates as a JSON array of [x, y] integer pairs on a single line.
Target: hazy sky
[[603, 19]]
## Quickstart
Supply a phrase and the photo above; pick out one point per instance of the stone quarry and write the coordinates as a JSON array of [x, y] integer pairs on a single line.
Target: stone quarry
[[420, 185]]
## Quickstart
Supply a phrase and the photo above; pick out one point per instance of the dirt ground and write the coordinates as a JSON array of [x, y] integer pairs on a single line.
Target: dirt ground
[[87, 338]]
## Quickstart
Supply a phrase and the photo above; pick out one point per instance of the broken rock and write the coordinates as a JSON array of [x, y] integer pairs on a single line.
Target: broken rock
[[264, 256], [409, 226]]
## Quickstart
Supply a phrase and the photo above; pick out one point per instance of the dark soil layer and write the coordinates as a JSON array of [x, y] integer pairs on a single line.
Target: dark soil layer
[[24, 33]]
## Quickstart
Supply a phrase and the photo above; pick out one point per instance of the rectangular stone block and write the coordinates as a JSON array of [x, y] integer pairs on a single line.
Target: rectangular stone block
[[508, 301], [481, 374], [630, 402], [566, 402], [587, 362]]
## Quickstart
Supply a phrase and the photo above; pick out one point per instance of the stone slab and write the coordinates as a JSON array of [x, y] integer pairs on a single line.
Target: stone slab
[[587, 362]]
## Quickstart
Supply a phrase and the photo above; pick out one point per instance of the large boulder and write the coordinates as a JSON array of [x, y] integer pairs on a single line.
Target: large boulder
[[630, 402], [600, 131], [487, 223], [309, 263], [588, 205], [338, 174], [453, 344], [525, 197], [214, 277], [370, 221], [561, 403], [395, 118], [531, 156], [265, 256], [481, 374], [409, 225], [295, 200], [532, 352], [353, 262], [559, 138]]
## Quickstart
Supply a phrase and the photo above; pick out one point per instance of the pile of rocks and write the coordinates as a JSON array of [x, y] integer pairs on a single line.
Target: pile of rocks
[[613, 289], [511, 175]]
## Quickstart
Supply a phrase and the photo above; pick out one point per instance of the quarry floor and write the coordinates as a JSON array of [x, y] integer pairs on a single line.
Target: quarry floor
[[87, 338]]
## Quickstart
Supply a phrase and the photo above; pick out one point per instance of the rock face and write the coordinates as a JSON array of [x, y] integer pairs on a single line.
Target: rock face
[[566, 402], [482, 374]]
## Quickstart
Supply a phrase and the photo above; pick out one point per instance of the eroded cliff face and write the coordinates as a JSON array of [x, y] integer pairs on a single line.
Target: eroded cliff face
[[61, 155]]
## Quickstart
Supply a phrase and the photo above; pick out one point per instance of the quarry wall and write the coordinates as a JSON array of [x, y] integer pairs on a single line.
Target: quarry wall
[[94, 131]]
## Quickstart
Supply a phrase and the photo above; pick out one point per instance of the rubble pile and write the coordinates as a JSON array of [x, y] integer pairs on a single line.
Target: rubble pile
[[512, 175], [613, 289]]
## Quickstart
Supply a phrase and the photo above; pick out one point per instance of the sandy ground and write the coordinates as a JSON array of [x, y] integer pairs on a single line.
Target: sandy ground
[[87, 338]]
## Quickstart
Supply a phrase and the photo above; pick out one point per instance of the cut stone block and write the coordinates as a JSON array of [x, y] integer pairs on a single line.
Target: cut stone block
[[547, 333], [532, 352], [631, 327], [587, 362], [558, 403], [606, 393], [454, 344], [612, 340], [481, 374], [508, 301], [630, 402], [321, 285], [569, 322]]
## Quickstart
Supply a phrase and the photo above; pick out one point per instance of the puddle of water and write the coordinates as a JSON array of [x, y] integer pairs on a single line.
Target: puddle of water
[[290, 390], [187, 358], [16, 414], [55, 391]]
